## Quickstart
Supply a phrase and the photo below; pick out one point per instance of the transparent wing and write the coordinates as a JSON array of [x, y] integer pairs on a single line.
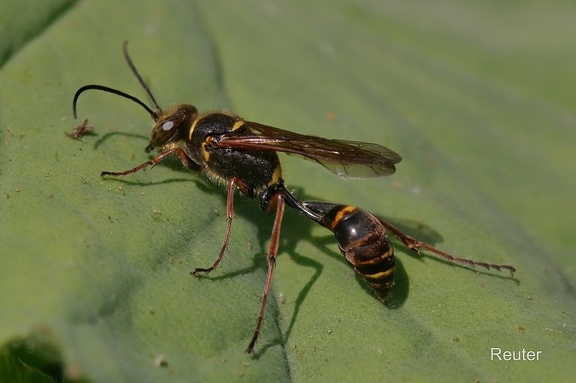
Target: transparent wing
[[349, 159]]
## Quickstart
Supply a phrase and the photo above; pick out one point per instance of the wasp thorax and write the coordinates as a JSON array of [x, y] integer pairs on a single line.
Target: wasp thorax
[[172, 125]]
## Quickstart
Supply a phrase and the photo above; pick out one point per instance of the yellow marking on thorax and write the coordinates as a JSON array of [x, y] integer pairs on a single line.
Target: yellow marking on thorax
[[276, 176], [205, 152], [192, 127], [238, 124]]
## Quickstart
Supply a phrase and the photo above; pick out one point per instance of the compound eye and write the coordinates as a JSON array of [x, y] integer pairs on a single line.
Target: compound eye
[[172, 125], [168, 125], [164, 132]]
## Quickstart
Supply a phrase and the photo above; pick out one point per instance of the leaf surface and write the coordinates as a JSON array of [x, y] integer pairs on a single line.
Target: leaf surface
[[473, 97]]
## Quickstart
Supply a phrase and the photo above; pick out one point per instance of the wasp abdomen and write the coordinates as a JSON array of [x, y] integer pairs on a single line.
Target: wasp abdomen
[[363, 241]]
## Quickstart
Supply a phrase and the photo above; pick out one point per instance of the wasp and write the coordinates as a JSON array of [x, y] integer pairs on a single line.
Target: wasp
[[362, 240], [243, 155]]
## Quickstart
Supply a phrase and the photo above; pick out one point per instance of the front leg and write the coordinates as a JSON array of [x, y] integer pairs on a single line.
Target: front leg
[[186, 161]]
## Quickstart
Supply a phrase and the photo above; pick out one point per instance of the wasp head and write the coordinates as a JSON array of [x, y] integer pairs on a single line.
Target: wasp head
[[172, 125]]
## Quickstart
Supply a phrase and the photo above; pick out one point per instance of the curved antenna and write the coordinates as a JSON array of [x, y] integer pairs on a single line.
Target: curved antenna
[[157, 109], [152, 113]]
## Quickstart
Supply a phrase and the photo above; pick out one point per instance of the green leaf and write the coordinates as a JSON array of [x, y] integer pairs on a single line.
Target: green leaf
[[476, 98], [31, 359]]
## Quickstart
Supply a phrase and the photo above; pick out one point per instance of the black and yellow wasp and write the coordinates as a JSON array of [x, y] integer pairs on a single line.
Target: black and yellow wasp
[[243, 155]]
